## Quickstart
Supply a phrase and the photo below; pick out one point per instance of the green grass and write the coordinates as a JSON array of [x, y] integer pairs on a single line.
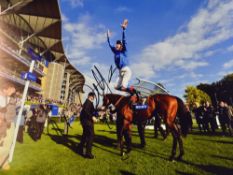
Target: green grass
[[56, 155]]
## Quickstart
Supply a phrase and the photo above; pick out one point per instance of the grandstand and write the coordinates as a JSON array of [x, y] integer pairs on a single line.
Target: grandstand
[[36, 24]]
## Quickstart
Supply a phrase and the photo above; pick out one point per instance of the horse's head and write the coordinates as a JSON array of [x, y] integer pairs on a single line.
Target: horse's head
[[112, 99]]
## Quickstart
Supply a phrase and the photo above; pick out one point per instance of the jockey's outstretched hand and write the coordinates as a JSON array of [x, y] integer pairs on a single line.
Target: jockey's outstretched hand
[[124, 24], [109, 34]]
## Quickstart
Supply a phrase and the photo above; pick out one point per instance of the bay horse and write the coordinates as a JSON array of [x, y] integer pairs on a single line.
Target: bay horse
[[167, 106]]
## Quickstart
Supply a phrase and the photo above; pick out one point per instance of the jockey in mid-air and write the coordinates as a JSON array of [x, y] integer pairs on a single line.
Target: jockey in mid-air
[[121, 62]]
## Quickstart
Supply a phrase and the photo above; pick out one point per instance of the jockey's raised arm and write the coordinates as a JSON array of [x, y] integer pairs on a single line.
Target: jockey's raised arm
[[109, 43], [124, 49]]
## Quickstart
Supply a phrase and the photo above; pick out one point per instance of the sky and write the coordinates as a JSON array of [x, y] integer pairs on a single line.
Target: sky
[[173, 42]]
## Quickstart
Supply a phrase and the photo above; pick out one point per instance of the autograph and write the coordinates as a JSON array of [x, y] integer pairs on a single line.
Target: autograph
[[101, 85]]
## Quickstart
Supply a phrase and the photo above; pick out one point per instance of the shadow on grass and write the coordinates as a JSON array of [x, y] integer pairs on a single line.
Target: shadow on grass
[[133, 133], [106, 150], [63, 140], [112, 143], [100, 142], [214, 169], [183, 173], [110, 132], [147, 135], [152, 135], [217, 141], [198, 133], [151, 154], [105, 141], [52, 125], [109, 142], [222, 157], [58, 130], [73, 145], [123, 172]]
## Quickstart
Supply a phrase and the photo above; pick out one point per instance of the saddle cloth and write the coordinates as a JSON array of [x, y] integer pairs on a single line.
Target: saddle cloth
[[137, 107]]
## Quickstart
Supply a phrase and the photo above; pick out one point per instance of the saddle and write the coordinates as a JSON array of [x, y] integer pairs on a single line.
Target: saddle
[[138, 102]]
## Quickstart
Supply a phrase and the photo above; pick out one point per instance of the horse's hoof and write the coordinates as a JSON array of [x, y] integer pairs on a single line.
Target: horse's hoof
[[128, 150], [124, 156], [164, 138], [171, 159], [179, 158], [122, 153], [143, 145]]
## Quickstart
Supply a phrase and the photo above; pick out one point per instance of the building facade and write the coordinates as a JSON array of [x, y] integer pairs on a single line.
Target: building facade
[[53, 81], [24, 26]]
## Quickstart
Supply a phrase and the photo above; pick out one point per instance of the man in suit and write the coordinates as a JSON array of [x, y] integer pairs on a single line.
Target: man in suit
[[87, 121]]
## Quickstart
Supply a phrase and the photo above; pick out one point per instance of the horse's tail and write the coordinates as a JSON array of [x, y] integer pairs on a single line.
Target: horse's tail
[[183, 117]]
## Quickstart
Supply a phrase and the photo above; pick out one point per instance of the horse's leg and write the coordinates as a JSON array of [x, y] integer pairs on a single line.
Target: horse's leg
[[127, 134], [167, 130], [156, 126], [128, 140], [181, 147], [163, 133], [120, 139], [118, 136], [173, 153], [176, 137], [141, 132], [175, 132], [121, 144], [119, 127]]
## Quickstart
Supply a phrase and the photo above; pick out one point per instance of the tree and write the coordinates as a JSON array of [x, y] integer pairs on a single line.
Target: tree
[[194, 95], [220, 90]]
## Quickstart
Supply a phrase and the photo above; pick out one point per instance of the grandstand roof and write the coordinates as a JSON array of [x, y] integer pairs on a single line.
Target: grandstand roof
[[39, 23]]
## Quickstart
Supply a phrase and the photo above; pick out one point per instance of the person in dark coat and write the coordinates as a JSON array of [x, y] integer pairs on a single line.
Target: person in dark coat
[[224, 118], [87, 121], [228, 118], [32, 128], [198, 115], [210, 117], [40, 120]]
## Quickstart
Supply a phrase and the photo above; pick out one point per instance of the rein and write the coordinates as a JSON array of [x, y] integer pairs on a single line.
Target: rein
[[118, 101]]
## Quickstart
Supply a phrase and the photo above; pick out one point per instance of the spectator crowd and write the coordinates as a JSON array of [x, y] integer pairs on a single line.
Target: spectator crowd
[[209, 119], [35, 117]]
